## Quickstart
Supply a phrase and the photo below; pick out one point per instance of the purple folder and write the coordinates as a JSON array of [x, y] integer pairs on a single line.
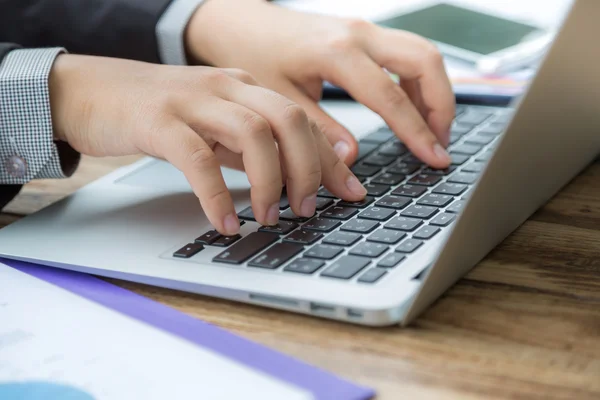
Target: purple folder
[[323, 385]]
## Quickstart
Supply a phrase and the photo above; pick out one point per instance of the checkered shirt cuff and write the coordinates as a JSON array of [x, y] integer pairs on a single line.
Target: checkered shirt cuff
[[27, 147]]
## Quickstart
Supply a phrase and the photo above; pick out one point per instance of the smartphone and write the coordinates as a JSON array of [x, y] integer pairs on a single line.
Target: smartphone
[[491, 43]]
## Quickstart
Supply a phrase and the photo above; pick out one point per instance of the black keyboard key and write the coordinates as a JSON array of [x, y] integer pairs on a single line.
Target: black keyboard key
[[403, 168], [440, 172], [323, 203], [391, 260], [426, 232], [189, 250], [412, 159], [473, 117], [368, 249], [288, 215], [358, 204], [208, 238], [364, 149], [453, 189], [424, 180], [395, 149], [338, 212], [377, 213], [304, 266], [435, 200], [365, 170], [276, 255], [321, 224], [409, 245], [409, 190], [323, 251], [387, 178], [479, 140], [388, 236], [485, 156], [403, 224], [303, 237], [225, 241], [468, 149], [360, 226], [395, 202], [460, 129], [342, 238], [443, 219], [247, 247], [423, 212], [247, 214], [456, 207], [380, 136], [325, 193], [463, 177], [458, 159], [475, 167], [372, 275], [346, 267], [374, 189], [380, 160], [282, 228]]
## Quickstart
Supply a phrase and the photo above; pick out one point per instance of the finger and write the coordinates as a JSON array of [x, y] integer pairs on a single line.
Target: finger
[[228, 158], [191, 155], [297, 148], [240, 75], [370, 85], [335, 175]]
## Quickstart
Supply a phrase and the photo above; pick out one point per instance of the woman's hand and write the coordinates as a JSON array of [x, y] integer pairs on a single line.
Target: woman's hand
[[199, 118], [293, 53]]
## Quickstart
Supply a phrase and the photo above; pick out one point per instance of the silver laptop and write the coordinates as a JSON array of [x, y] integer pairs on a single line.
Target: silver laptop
[[377, 262]]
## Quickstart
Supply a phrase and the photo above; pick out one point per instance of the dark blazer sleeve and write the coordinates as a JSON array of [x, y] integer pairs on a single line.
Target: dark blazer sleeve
[[113, 28]]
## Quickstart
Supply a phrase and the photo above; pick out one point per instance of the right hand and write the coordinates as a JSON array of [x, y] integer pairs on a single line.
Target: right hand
[[199, 118]]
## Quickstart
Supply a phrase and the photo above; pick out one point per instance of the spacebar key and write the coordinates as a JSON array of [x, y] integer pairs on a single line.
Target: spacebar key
[[246, 247]]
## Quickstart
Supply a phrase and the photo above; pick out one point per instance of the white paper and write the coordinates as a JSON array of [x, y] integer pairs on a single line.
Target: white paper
[[51, 336]]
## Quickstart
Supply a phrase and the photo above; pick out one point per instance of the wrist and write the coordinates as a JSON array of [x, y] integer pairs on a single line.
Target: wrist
[[63, 71]]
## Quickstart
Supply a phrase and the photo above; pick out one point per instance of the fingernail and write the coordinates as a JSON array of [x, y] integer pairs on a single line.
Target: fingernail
[[273, 214], [355, 186], [308, 206], [342, 149], [231, 224], [441, 153]]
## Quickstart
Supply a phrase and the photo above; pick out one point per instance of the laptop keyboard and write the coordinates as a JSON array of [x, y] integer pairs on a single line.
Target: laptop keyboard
[[407, 204]]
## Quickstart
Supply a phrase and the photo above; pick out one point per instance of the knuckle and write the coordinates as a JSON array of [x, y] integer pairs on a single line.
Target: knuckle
[[393, 97], [295, 114], [430, 55], [215, 76], [256, 126], [241, 75], [220, 195], [358, 25], [202, 158]]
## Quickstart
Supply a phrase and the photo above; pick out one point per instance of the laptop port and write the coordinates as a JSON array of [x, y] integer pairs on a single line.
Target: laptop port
[[319, 308], [354, 314]]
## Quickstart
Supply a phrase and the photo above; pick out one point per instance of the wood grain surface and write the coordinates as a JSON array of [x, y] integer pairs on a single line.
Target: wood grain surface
[[524, 324]]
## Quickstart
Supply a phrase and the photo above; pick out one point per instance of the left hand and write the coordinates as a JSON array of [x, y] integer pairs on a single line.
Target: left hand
[[293, 53]]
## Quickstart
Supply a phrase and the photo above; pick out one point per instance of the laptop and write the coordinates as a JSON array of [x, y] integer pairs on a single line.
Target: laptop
[[377, 262]]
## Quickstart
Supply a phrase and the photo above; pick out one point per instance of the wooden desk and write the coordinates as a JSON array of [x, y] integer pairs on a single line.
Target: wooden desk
[[525, 323]]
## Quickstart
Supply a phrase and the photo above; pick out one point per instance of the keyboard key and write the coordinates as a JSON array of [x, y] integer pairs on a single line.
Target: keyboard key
[[368, 249], [247, 214], [479, 140], [364, 149], [441, 172], [377, 213], [403, 168], [360, 226], [458, 159], [426, 232], [303, 237], [492, 130], [469, 149], [323, 203], [454, 138], [189, 250], [403, 224], [288, 215], [321, 224], [380, 136], [247, 247], [473, 117], [485, 156], [416, 211], [325, 193], [475, 167], [380, 160], [342, 238], [460, 129], [338, 212], [387, 178], [412, 159], [323, 251], [282, 228], [365, 170], [443, 219], [358, 204], [409, 245], [276, 255], [424, 180], [435, 200], [409, 190], [395, 149], [377, 190], [346, 267], [225, 241], [208, 238], [467, 195], [453, 189], [463, 177], [284, 202], [304, 266], [391, 260], [456, 207], [388, 236], [395, 202], [372, 275]]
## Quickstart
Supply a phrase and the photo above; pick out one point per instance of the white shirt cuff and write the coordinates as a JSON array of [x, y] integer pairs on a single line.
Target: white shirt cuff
[[171, 28]]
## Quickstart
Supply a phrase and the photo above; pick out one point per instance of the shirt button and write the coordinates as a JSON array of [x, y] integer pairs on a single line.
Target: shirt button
[[16, 167]]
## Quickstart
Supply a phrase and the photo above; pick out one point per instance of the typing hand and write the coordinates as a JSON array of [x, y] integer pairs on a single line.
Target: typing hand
[[293, 53], [199, 118]]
